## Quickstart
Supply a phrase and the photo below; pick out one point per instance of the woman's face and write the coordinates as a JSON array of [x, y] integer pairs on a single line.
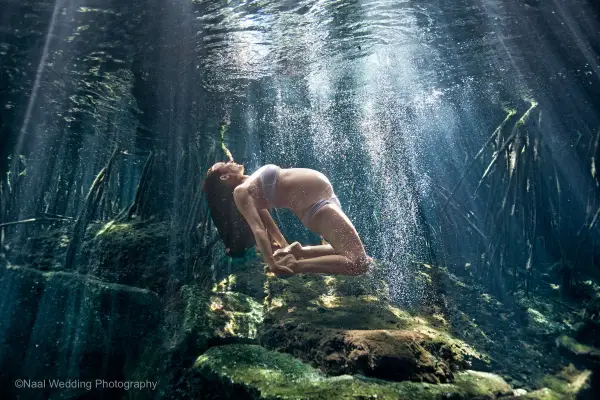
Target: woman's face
[[232, 171], [228, 167], [234, 168]]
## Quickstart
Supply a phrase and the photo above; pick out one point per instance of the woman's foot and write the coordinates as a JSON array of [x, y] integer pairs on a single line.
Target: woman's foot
[[294, 249], [285, 264]]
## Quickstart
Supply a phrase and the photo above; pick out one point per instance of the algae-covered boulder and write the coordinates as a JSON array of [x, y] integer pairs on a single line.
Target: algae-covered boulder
[[219, 316], [482, 385], [347, 325], [334, 302], [585, 354], [245, 276], [388, 354], [539, 324], [321, 337], [252, 372], [59, 325], [207, 318], [131, 253], [42, 249], [540, 394], [579, 380]]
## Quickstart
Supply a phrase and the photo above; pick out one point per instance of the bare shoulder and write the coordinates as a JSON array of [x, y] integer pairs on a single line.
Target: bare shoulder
[[240, 192], [242, 196]]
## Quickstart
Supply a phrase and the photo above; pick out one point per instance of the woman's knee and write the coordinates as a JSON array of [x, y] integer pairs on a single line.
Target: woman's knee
[[360, 265]]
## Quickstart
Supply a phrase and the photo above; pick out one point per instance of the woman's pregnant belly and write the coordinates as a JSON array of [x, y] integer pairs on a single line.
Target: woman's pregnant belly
[[300, 188]]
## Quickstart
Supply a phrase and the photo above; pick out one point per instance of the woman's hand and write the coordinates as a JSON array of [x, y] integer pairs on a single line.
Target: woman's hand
[[284, 266], [294, 249], [276, 246]]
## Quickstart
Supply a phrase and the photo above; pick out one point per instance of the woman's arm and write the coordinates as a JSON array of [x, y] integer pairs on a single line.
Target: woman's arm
[[245, 203], [272, 227]]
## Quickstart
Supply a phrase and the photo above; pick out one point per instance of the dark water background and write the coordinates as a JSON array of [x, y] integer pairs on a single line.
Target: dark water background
[[386, 98]]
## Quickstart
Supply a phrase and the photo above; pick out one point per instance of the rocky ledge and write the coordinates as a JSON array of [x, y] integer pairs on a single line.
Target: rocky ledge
[[242, 371], [322, 337]]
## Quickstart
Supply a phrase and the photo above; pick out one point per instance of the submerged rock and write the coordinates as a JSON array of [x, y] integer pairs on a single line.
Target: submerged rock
[[220, 316], [59, 325], [231, 312], [587, 355], [130, 253], [347, 325], [541, 394], [205, 319], [244, 276], [252, 372], [583, 384], [538, 324]]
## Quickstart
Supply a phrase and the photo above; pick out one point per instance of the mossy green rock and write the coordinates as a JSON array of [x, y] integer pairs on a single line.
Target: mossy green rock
[[335, 302], [539, 324], [244, 277], [130, 253], [65, 326], [251, 372], [482, 384], [587, 355], [541, 394], [347, 325], [220, 316], [571, 382]]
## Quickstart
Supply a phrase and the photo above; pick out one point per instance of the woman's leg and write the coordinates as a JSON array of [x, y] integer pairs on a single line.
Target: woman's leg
[[349, 258], [332, 264], [315, 251], [300, 251]]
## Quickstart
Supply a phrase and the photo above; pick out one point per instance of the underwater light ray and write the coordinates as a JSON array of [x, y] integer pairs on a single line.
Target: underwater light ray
[[578, 37], [498, 31], [36, 85]]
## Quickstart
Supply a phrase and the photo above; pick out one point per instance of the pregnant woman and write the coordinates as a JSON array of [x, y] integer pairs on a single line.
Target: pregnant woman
[[308, 194]]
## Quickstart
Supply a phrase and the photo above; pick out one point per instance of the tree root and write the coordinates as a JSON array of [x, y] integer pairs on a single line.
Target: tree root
[[37, 220], [140, 192], [91, 202]]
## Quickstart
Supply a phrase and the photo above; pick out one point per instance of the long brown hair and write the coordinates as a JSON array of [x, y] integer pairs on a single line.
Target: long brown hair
[[231, 225]]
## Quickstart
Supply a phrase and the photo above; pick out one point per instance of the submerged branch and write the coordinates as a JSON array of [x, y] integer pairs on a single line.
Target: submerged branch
[[509, 140], [479, 153], [141, 189], [466, 218], [36, 220], [86, 214]]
